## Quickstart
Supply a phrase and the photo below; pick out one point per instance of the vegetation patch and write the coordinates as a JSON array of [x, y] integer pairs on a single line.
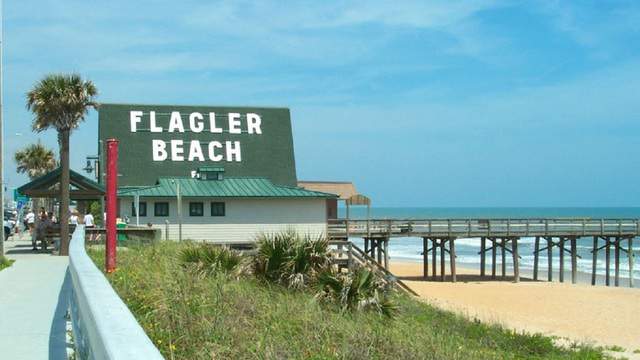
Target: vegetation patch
[[279, 304], [5, 262]]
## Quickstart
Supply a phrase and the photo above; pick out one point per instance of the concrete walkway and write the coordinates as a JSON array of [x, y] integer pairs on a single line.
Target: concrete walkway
[[33, 302]]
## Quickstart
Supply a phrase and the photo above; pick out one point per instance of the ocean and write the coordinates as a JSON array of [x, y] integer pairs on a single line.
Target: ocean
[[410, 249]]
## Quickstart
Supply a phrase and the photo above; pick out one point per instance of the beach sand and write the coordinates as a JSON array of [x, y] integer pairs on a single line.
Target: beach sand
[[597, 315]]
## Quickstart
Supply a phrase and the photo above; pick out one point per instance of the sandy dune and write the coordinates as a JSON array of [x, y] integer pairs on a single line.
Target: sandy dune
[[606, 316]]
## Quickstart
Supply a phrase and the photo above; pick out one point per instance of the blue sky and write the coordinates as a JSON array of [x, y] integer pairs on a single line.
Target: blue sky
[[474, 103]]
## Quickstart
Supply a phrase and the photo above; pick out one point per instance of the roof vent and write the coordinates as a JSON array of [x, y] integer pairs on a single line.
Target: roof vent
[[210, 173]]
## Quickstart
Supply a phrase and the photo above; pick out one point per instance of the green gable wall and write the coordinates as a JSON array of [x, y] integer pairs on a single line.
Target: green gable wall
[[268, 155]]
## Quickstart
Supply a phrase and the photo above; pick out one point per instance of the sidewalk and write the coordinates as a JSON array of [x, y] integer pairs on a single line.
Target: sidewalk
[[33, 303]]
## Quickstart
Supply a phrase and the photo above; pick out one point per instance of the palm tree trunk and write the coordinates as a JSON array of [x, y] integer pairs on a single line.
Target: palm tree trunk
[[63, 137]]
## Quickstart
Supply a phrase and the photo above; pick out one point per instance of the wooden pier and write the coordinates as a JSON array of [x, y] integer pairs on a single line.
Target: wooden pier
[[439, 236]]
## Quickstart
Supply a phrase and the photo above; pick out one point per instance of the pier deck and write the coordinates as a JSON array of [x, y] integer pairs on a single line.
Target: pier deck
[[439, 235], [467, 228]]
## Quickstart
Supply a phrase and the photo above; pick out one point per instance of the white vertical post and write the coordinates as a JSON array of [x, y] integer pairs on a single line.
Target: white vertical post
[[179, 211], [136, 201]]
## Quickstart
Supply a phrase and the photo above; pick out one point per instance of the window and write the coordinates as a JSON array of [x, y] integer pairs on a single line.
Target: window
[[217, 209], [196, 209], [161, 209], [143, 208]]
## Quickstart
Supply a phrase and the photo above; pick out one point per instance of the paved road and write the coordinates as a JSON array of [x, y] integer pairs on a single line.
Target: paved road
[[33, 299]]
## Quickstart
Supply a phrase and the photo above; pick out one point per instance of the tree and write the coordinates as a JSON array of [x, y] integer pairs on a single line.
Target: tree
[[61, 102], [35, 160]]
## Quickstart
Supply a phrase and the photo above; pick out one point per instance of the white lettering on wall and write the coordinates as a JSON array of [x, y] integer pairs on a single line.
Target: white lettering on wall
[[174, 150], [233, 152], [176, 122], [159, 150], [195, 151], [152, 122], [212, 124], [195, 122], [135, 117], [177, 151], [212, 148], [234, 123], [253, 123]]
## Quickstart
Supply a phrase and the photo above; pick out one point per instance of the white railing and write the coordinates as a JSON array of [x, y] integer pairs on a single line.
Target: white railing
[[103, 326]]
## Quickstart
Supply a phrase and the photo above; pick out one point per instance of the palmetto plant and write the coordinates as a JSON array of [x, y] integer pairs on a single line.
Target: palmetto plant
[[35, 160], [61, 102], [359, 290], [290, 259], [209, 259]]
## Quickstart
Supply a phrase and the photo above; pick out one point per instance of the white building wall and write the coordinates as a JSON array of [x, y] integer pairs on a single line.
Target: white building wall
[[243, 221]]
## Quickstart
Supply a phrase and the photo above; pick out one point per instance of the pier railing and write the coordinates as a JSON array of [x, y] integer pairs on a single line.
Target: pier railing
[[544, 227]]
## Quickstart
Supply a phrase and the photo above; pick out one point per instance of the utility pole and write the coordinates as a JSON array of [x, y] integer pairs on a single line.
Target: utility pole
[[1, 137]]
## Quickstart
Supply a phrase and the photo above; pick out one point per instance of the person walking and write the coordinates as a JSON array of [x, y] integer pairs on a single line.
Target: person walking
[[73, 219]]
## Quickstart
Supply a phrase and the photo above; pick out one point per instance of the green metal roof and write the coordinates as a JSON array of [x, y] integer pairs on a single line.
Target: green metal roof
[[211, 168], [53, 177], [229, 187]]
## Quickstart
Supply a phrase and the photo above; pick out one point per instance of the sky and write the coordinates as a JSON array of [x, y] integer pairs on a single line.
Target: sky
[[419, 103]]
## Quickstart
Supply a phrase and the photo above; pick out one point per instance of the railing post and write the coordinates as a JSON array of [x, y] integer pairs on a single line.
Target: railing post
[[602, 227], [527, 228], [350, 255], [468, 227], [346, 227], [619, 227], [546, 227], [584, 227], [508, 227], [449, 226]]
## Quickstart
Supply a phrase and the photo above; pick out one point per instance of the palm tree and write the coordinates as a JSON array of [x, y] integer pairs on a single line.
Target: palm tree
[[61, 102], [35, 160]]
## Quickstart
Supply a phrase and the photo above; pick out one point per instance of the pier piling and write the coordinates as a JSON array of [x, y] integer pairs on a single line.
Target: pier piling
[[503, 252], [493, 257], [536, 257], [483, 255], [516, 262], [595, 260], [442, 268], [433, 257], [616, 279], [550, 259], [425, 258], [561, 267], [452, 258], [631, 259], [607, 255], [574, 260]]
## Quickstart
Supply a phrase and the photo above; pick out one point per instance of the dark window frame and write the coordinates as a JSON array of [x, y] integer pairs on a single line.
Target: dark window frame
[[191, 208], [155, 208], [217, 205], [143, 208]]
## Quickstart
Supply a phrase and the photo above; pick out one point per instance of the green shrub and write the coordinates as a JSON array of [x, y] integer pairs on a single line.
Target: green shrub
[[290, 259], [209, 259], [357, 290]]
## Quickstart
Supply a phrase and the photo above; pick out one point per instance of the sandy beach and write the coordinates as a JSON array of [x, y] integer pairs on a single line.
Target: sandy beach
[[593, 314]]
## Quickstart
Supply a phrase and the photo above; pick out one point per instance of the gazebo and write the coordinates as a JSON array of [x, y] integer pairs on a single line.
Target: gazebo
[[48, 187]]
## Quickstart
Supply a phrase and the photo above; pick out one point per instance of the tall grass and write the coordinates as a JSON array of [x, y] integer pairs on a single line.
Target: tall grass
[[189, 316]]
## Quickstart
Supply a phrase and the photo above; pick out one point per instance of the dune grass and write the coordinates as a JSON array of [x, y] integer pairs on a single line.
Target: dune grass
[[5, 262], [189, 315]]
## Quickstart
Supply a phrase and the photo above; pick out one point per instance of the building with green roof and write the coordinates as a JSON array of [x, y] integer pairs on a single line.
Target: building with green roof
[[222, 174]]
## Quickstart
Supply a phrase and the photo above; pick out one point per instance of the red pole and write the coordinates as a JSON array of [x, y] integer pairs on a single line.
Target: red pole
[[112, 200]]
